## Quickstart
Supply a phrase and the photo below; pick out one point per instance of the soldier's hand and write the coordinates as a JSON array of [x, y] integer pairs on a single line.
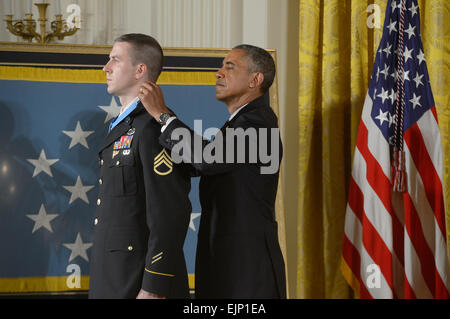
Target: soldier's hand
[[152, 98], [148, 295]]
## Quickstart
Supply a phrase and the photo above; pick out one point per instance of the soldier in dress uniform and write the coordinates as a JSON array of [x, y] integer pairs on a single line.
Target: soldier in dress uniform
[[143, 209]]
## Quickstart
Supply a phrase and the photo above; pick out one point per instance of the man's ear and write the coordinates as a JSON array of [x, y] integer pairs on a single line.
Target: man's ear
[[141, 71], [257, 80]]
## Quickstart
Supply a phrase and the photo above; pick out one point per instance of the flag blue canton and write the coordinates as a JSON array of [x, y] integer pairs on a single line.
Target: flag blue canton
[[418, 97]]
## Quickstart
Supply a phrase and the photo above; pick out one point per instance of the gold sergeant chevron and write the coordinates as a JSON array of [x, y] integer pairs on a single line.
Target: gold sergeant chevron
[[160, 159]]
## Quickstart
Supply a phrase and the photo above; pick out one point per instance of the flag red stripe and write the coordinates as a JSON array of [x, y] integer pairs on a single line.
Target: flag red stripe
[[433, 110], [409, 291], [382, 187], [373, 243], [415, 231], [353, 260], [427, 172]]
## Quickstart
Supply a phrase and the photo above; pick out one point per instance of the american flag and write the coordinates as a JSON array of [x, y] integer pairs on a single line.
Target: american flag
[[394, 242]]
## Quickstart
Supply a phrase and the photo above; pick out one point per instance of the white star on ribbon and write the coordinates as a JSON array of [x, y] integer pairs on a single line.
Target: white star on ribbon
[[78, 248], [112, 110], [42, 219], [78, 191], [191, 223], [42, 164], [78, 136]]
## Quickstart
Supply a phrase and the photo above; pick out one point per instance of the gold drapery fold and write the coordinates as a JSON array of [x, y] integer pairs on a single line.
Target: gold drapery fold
[[338, 40]]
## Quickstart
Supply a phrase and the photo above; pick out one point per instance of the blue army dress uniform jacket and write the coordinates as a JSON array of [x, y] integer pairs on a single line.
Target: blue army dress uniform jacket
[[238, 253], [143, 213]]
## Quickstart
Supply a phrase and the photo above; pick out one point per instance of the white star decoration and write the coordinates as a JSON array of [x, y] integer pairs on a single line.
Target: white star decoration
[[415, 100], [112, 109], [407, 54], [383, 95], [421, 57], [42, 164], [78, 248], [78, 191], [383, 116], [42, 219], [392, 26], [418, 79], [191, 223], [410, 31], [78, 136], [413, 9]]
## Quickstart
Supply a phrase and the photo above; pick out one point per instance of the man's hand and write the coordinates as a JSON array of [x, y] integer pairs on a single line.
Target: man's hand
[[148, 295], [152, 98]]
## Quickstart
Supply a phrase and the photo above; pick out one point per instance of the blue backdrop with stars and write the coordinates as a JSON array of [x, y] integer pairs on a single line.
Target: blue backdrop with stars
[[48, 170]]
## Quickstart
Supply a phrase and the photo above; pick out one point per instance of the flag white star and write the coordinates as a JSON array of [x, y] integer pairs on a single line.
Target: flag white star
[[410, 31], [383, 95], [42, 164], [394, 5], [418, 79], [391, 119], [112, 109], [78, 136], [42, 219], [392, 26], [413, 9], [191, 223], [78, 248], [407, 54], [421, 57], [382, 117], [78, 191], [393, 96], [385, 71], [387, 50], [415, 100]]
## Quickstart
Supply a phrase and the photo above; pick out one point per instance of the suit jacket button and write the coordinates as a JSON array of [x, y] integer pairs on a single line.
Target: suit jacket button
[[96, 221], [130, 248], [101, 162], [118, 163], [100, 181], [99, 201]]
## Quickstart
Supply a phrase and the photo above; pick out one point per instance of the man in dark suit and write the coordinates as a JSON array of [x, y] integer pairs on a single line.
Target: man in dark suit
[[143, 209], [238, 253]]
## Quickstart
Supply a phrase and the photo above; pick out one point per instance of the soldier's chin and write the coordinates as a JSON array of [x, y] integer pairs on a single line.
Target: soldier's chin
[[110, 90]]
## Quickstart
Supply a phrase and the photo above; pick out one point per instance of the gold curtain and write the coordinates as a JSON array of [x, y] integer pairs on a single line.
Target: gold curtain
[[337, 47]]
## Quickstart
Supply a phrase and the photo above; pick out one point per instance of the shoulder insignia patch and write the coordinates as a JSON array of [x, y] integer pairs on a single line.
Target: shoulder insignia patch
[[162, 164]]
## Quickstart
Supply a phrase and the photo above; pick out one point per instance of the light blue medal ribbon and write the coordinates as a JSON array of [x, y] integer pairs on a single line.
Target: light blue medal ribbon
[[127, 112]]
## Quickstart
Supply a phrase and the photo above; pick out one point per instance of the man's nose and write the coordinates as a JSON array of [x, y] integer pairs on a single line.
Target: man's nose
[[106, 67], [219, 74]]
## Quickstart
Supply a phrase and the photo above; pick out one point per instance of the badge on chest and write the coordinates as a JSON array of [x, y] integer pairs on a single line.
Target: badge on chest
[[123, 145]]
